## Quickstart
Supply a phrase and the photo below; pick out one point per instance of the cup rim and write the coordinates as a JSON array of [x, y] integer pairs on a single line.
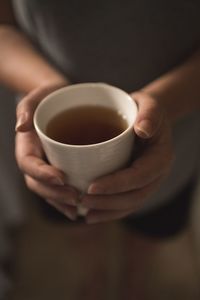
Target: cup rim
[[74, 86]]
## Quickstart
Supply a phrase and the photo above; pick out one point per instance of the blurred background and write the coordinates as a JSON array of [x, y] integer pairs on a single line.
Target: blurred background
[[44, 260]]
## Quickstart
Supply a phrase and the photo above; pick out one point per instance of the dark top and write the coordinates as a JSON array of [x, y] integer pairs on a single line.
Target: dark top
[[125, 43]]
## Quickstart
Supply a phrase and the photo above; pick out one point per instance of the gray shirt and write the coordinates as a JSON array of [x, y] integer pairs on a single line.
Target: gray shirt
[[124, 43]]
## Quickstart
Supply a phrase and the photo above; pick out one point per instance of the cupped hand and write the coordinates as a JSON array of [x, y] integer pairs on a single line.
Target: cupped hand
[[124, 192], [40, 177]]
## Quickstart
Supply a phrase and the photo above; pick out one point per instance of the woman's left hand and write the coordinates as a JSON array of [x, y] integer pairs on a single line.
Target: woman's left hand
[[124, 192]]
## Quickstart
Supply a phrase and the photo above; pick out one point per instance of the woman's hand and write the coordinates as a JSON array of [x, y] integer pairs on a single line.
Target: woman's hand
[[40, 177], [124, 192]]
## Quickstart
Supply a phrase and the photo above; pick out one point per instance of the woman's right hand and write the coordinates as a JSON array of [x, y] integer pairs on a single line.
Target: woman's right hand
[[40, 177]]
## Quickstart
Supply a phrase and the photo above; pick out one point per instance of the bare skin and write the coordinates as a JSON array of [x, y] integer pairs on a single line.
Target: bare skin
[[160, 104]]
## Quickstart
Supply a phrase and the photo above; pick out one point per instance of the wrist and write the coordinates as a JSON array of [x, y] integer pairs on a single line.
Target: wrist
[[177, 91], [23, 69]]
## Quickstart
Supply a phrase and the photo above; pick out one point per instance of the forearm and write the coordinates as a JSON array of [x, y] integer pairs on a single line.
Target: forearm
[[178, 91], [22, 68]]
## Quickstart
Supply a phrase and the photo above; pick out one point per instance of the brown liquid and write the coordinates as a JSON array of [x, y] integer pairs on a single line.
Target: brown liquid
[[86, 125]]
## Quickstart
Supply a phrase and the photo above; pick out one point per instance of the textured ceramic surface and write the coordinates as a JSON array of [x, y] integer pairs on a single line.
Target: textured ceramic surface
[[82, 164]]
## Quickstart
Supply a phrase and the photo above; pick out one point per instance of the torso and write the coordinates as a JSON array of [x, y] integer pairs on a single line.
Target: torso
[[125, 43]]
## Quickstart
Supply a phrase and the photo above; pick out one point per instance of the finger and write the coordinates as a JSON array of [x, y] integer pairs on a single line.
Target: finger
[[28, 104], [156, 161], [26, 108], [94, 217], [124, 201], [149, 116], [29, 155], [64, 195], [69, 211]]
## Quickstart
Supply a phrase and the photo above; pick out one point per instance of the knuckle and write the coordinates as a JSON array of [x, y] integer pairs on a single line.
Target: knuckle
[[20, 164], [40, 174], [29, 182], [18, 108], [21, 107]]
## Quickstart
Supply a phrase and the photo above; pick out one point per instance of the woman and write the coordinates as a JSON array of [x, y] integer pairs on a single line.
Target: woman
[[149, 50]]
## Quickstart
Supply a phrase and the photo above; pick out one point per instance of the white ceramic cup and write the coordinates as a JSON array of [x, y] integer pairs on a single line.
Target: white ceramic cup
[[84, 163]]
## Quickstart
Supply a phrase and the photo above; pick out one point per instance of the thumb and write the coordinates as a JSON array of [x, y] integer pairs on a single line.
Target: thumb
[[26, 107], [149, 116], [25, 111]]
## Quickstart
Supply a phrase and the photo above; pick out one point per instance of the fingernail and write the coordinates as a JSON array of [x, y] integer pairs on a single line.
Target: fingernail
[[144, 129], [57, 181], [21, 120], [94, 189]]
